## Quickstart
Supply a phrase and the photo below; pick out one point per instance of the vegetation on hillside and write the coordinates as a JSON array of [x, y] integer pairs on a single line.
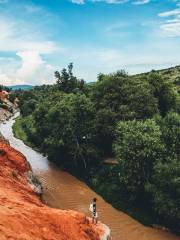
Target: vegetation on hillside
[[6, 99], [172, 74], [132, 118]]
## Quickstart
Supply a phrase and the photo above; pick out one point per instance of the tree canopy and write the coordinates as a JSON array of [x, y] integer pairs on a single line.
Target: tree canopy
[[134, 119]]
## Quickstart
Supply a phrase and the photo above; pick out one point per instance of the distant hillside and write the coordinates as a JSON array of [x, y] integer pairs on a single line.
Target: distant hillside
[[173, 74], [22, 87]]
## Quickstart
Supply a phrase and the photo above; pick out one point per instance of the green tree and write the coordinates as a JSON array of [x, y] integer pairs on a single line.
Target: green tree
[[137, 147], [164, 91], [71, 135], [28, 107], [120, 97], [67, 82], [165, 192], [170, 127], [105, 125]]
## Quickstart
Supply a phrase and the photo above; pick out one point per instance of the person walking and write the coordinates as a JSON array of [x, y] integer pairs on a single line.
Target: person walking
[[93, 209]]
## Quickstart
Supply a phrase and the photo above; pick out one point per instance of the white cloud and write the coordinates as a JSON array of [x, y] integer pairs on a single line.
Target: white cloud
[[13, 39], [78, 1], [32, 70], [171, 26], [29, 47], [138, 2], [175, 12], [135, 59], [111, 1]]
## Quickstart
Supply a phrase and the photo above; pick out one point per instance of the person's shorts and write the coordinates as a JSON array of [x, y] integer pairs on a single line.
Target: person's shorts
[[95, 215]]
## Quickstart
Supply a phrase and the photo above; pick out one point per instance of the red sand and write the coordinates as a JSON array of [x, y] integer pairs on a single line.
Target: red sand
[[24, 217]]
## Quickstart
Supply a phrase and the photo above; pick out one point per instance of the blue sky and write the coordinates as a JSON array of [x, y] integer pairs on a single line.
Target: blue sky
[[38, 37]]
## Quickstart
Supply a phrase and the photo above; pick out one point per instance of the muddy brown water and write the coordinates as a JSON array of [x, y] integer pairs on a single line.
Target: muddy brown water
[[62, 190]]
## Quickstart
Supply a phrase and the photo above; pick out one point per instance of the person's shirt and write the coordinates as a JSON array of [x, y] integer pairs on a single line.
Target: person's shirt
[[94, 207]]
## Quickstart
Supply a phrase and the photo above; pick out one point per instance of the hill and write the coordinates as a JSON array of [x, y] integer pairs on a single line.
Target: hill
[[22, 87], [172, 74]]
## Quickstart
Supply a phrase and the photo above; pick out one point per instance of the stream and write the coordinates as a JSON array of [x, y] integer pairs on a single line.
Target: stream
[[62, 190]]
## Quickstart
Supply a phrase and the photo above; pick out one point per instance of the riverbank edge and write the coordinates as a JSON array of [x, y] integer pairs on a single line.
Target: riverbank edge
[[130, 211], [17, 128], [20, 134], [24, 201], [37, 188], [31, 177]]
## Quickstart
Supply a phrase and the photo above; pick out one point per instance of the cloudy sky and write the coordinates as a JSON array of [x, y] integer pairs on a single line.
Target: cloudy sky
[[38, 37]]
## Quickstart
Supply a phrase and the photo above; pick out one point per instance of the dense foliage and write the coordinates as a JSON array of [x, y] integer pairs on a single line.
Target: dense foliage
[[138, 147], [134, 119], [71, 136], [120, 97]]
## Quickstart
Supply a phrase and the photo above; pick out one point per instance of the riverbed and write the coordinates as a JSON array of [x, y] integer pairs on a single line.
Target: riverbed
[[62, 190]]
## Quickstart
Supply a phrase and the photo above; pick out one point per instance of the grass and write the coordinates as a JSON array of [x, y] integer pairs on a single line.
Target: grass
[[19, 131]]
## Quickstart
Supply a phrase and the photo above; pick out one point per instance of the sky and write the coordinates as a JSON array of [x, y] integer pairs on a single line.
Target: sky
[[38, 37]]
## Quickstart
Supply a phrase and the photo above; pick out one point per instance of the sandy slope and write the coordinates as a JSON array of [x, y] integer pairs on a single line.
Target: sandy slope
[[24, 217]]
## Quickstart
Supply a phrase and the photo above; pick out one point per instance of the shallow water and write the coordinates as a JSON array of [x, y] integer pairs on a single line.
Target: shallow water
[[62, 190]]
